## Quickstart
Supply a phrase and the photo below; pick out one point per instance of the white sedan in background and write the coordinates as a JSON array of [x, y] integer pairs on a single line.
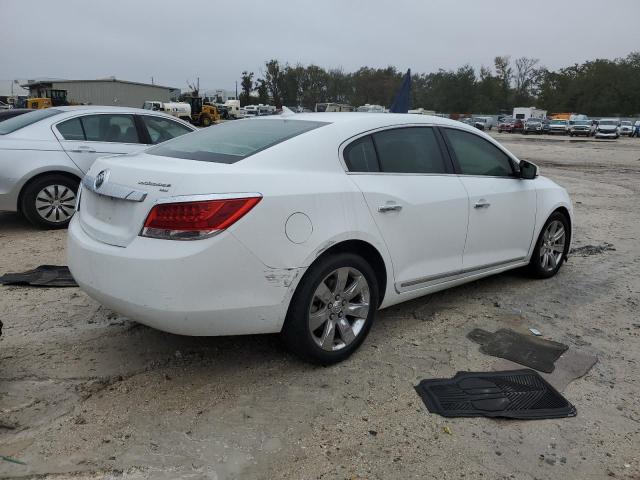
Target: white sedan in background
[[45, 153], [308, 224]]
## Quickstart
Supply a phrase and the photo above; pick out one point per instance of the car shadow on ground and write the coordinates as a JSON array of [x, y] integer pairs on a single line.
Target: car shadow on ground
[[238, 353], [11, 222]]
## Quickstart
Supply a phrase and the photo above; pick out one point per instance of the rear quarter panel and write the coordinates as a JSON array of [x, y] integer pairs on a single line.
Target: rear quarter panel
[[20, 163]]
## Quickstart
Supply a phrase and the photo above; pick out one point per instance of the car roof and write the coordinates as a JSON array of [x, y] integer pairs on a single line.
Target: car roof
[[371, 119], [102, 108]]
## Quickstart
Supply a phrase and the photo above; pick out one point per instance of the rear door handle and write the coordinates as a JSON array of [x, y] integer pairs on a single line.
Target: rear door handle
[[482, 203], [389, 208], [83, 149]]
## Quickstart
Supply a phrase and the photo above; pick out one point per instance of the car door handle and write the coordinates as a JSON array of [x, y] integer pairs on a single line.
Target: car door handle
[[83, 149], [482, 204], [389, 208]]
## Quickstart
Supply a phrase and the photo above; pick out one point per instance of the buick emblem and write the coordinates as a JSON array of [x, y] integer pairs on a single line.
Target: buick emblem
[[100, 179]]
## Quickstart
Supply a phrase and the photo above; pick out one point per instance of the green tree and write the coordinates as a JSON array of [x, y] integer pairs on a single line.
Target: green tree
[[263, 92], [246, 83], [273, 79]]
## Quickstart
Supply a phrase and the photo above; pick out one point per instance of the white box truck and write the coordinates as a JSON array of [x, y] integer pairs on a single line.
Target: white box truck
[[525, 113]]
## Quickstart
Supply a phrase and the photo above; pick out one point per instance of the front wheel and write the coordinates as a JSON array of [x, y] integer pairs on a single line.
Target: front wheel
[[332, 309], [49, 202], [551, 248]]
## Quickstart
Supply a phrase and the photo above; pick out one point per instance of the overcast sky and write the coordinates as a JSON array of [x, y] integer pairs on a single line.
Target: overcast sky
[[179, 40]]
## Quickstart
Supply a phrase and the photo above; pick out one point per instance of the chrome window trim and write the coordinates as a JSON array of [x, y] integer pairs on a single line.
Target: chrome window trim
[[114, 190], [60, 137], [345, 143]]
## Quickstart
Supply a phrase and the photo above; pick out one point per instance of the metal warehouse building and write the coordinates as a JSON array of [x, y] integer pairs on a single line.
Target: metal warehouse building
[[108, 91]]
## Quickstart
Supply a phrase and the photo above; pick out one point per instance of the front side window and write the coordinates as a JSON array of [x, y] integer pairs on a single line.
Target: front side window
[[476, 156], [409, 150], [110, 128], [162, 129]]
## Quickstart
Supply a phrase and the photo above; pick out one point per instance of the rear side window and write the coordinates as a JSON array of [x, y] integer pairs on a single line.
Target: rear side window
[[409, 150], [162, 129], [71, 129], [230, 142], [110, 128], [476, 156], [21, 121], [360, 156]]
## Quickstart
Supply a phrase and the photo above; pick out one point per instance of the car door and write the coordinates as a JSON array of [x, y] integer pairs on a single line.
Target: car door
[[502, 206], [87, 137], [160, 129], [419, 206]]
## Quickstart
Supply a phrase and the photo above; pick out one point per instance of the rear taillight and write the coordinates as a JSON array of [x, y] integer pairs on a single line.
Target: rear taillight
[[195, 220]]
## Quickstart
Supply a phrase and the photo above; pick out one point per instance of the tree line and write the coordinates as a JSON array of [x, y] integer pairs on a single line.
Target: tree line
[[597, 87]]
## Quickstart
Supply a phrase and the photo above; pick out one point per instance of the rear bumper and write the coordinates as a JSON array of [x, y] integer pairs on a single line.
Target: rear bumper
[[204, 287]]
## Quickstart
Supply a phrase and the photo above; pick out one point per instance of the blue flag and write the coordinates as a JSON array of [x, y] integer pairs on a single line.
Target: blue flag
[[401, 101]]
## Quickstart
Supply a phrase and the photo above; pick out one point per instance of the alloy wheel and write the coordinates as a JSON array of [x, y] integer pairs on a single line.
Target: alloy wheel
[[552, 248], [56, 203], [339, 308]]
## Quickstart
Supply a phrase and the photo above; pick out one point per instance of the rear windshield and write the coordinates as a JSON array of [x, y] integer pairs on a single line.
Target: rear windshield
[[16, 123], [232, 141]]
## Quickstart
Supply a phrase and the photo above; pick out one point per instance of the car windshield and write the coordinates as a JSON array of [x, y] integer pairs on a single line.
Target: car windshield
[[601, 122], [558, 122], [626, 123], [581, 122], [230, 142], [21, 121], [534, 120], [482, 120]]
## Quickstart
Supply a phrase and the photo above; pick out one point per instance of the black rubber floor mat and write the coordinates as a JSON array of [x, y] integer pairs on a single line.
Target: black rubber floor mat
[[43, 276], [527, 350], [521, 394]]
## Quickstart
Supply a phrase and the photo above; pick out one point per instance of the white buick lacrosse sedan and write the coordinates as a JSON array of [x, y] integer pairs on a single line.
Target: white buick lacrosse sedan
[[308, 224]]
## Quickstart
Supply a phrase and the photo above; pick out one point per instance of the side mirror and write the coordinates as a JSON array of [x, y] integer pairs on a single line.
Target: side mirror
[[528, 171]]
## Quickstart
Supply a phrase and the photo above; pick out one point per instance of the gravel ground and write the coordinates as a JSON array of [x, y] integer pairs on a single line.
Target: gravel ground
[[86, 393]]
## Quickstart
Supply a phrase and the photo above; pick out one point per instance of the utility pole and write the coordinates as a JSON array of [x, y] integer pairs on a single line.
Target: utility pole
[[236, 89], [151, 80]]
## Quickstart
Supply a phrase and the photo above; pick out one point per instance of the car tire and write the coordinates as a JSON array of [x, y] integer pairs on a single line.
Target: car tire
[[49, 201], [337, 334], [549, 254], [205, 120]]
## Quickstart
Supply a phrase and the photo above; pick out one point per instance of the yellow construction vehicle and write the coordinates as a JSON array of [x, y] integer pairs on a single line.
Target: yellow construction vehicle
[[202, 114], [53, 98]]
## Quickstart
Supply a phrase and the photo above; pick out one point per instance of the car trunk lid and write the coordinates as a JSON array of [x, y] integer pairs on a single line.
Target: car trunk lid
[[119, 192]]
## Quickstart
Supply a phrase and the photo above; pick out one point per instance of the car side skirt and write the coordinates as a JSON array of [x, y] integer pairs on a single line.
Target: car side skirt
[[438, 284]]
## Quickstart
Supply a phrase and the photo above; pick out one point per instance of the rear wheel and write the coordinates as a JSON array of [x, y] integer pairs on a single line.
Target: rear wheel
[[49, 202], [332, 309], [551, 248]]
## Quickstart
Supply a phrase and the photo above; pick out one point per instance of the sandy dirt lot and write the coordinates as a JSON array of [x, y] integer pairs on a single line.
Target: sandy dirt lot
[[86, 393]]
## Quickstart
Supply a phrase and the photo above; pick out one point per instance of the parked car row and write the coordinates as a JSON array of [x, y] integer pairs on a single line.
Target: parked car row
[[603, 128]]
